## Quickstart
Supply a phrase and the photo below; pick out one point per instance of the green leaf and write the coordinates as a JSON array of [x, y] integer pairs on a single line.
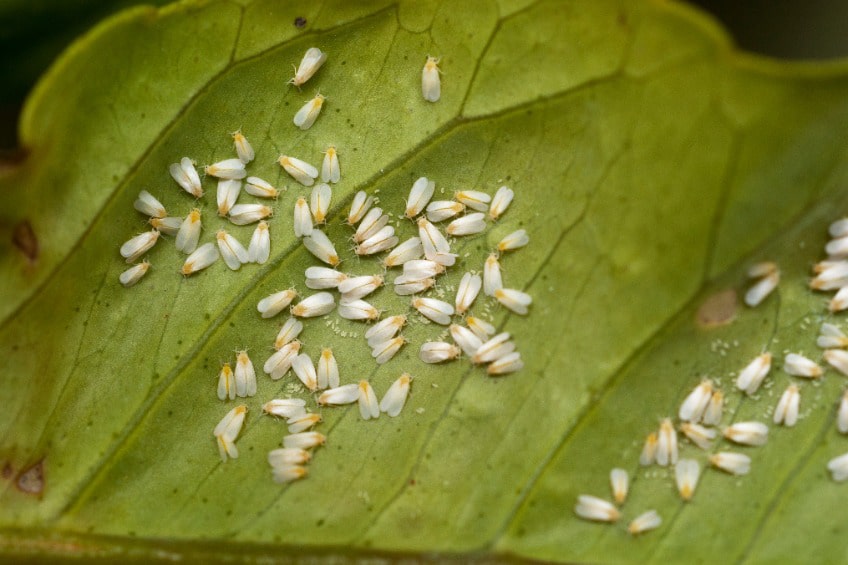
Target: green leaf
[[651, 164]]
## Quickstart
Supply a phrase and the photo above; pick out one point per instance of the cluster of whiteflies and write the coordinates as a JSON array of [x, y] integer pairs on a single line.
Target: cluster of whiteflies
[[831, 274], [186, 231]]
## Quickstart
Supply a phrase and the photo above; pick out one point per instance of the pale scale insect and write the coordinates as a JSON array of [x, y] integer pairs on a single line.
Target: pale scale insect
[[786, 412], [649, 450], [769, 277], [232, 251], [330, 171], [321, 247], [515, 240], [353, 288], [644, 522], [469, 224], [382, 352], [309, 65], [492, 280], [275, 303], [317, 304], [500, 202], [839, 302], [139, 245], [228, 430], [297, 424], [304, 440], [729, 462], [395, 398], [699, 435], [281, 361], [285, 474], [282, 457], [299, 170], [288, 333], [838, 359], [481, 328], [712, 415], [186, 176], [620, 484], [243, 148], [259, 188], [259, 249], [385, 329], [441, 210], [309, 112], [431, 82], [751, 377], [474, 199], [381, 241], [245, 375], [432, 239], [226, 383], [302, 218], [686, 475], [747, 433], [831, 276], [359, 207], [168, 226], [514, 300], [409, 250], [357, 310], [369, 408], [469, 288], [838, 228], [493, 349], [466, 339], [304, 369], [596, 509], [244, 214], [438, 352], [800, 366], [148, 205], [202, 258], [666, 444], [417, 269], [228, 193], [509, 363], [419, 196], [328, 370], [827, 264], [229, 169], [285, 407], [319, 202], [134, 274], [373, 221], [340, 395], [433, 309], [693, 406], [837, 248], [408, 288], [323, 277], [838, 467], [411, 277], [830, 336], [842, 414], [189, 233]]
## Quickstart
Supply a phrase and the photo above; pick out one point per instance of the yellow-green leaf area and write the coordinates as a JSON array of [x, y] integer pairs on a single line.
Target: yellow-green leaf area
[[651, 163]]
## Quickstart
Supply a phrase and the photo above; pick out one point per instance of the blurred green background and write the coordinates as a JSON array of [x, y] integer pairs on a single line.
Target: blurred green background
[[34, 32]]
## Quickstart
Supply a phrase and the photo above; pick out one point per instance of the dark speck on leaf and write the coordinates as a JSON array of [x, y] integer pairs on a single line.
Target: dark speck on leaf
[[300, 22], [23, 237]]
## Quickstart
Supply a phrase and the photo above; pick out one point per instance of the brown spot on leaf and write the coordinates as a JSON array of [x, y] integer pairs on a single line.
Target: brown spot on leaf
[[8, 471], [300, 22], [23, 237], [718, 309], [31, 481]]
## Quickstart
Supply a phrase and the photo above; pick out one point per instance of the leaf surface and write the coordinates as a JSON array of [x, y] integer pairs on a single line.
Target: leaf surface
[[650, 162]]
